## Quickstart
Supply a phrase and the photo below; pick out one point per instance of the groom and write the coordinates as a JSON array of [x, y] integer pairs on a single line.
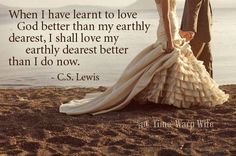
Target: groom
[[196, 28]]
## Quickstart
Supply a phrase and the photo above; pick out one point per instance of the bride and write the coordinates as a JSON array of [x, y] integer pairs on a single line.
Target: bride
[[165, 72]]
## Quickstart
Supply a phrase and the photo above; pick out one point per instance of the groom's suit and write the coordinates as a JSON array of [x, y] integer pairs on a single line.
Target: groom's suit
[[197, 17]]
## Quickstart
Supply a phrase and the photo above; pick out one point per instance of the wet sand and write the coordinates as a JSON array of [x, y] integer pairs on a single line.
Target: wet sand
[[31, 124]]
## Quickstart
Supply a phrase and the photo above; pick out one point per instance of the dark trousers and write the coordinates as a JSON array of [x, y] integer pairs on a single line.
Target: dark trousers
[[202, 52]]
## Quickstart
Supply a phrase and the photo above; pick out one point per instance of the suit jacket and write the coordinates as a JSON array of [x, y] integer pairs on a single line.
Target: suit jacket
[[197, 17]]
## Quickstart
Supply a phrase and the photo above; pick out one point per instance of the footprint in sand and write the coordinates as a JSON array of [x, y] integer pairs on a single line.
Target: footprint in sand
[[113, 149], [233, 152], [171, 136], [30, 146], [187, 148], [110, 133], [119, 142], [193, 137], [168, 152], [55, 128], [38, 134], [94, 143], [130, 146], [233, 96], [114, 143], [14, 152], [184, 131], [223, 111], [67, 140], [204, 112], [167, 118], [155, 131], [227, 134], [3, 140]]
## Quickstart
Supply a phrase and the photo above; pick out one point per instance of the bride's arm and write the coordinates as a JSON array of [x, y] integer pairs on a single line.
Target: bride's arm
[[165, 5]]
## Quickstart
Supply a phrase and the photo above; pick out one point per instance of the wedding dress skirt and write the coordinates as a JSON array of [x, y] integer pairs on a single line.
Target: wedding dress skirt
[[177, 78], [185, 84]]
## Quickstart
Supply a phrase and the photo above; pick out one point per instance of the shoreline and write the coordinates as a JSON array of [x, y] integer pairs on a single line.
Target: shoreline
[[22, 86], [40, 87]]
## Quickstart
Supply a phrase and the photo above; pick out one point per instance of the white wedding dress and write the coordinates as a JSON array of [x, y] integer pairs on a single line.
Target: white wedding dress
[[177, 79]]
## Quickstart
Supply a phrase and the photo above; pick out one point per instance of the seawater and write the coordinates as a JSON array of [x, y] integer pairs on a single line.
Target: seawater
[[110, 67]]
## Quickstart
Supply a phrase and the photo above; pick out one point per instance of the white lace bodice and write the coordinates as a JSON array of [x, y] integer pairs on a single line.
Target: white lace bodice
[[161, 33]]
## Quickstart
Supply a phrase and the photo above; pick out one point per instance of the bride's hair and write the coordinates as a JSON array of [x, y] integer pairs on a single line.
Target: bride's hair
[[172, 3]]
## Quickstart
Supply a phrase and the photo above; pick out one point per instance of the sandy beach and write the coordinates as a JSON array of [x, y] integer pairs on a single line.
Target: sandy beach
[[31, 124]]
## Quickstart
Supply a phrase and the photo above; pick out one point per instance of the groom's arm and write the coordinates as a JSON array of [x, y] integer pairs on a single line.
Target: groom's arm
[[190, 19]]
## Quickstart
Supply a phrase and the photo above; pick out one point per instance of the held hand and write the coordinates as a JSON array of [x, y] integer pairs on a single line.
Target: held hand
[[183, 34], [170, 47], [188, 35], [192, 34]]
